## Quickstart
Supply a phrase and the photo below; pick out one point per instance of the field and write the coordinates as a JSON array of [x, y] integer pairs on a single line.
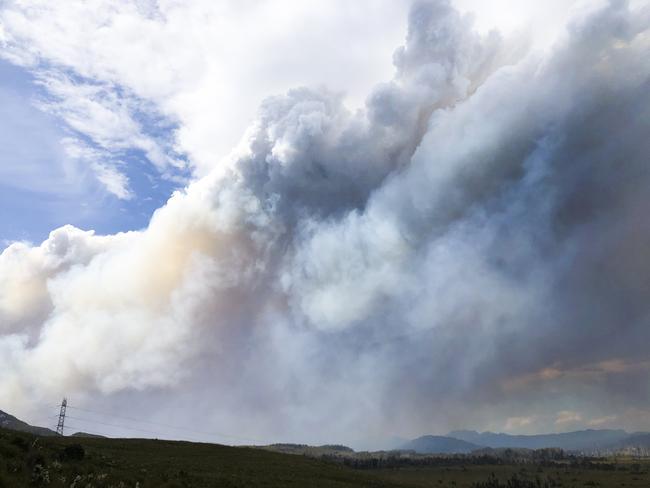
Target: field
[[528, 476], [26, 460]]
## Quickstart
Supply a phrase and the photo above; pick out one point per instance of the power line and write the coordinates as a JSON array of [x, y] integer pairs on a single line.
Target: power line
[[159, 435], [131, 419], [122, 417], [83, 431], [113, 425]]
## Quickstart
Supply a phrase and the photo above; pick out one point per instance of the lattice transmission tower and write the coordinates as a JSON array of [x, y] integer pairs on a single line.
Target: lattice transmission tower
[[59, 426]]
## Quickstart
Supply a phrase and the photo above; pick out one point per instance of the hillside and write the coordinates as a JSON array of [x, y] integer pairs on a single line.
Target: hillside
[[313, 451], [86, 434], [10, 422], [156, 463], [641, 439], [435, 444], [637, 444]]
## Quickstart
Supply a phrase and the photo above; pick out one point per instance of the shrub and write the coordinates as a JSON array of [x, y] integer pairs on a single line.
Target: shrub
[[9, 451], [21, 443], [40, 475], [74, 452], [35, 459]]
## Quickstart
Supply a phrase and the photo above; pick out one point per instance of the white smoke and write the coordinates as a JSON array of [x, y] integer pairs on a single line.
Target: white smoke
[[347, 268]]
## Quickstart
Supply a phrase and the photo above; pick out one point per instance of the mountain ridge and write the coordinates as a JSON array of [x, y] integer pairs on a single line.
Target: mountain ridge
[[571, 441], [437, 444], [8, 421]]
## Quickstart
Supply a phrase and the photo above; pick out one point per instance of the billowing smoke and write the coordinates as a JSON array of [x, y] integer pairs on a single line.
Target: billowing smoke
[[470, 250]]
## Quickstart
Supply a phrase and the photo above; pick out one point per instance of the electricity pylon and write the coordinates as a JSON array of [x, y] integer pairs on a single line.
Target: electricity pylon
[[59, 426]]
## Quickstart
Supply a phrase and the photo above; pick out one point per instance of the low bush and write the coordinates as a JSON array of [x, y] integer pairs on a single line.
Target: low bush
[[74, 452]]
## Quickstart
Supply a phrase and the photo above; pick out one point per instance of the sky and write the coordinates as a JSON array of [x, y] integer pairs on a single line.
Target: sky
[[326, 221]]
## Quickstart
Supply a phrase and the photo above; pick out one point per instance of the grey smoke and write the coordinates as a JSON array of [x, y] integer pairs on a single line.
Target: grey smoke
[[472, 247]]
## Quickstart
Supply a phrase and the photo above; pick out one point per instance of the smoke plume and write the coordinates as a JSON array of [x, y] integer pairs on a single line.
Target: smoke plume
[[470, 248]]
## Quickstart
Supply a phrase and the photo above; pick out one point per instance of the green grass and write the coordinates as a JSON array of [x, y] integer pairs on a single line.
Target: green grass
[[26, 460], [568, 477], [156, 463]]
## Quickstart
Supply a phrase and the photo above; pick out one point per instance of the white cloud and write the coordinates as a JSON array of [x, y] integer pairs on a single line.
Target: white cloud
[[114, 181], [568, 417], [202, 68], [607, 420], [205, 65], [543, 21], [516, 423]]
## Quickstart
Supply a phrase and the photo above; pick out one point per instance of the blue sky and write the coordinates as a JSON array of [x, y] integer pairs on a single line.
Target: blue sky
[[42, 187]]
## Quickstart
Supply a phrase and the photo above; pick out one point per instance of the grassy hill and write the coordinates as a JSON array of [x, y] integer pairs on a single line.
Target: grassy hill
[[156, 463], [311, 451]]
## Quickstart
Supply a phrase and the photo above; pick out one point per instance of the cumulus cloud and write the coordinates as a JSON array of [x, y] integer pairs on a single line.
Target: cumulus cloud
[[567, 417], [195, 71], [479, 223]]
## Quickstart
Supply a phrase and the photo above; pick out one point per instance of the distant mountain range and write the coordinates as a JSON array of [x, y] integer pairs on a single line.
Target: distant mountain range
[[465, 441], [569, 441]]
